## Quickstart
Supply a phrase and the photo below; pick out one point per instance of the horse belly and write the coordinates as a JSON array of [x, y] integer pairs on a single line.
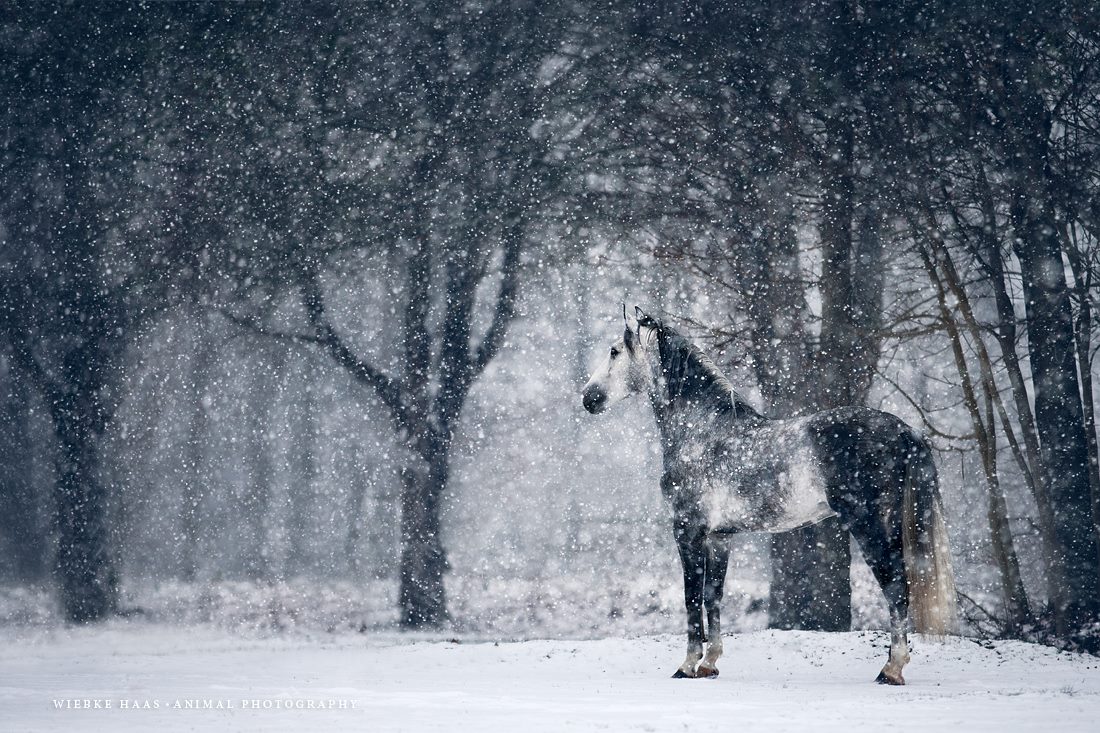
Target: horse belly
[[804, 518], [778, 497], [802, 490]]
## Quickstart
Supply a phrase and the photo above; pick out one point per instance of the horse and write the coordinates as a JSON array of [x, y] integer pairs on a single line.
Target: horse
[[728, 469]]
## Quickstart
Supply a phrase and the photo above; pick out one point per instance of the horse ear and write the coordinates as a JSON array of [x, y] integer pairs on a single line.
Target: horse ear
[[644, 319], [629, 322]]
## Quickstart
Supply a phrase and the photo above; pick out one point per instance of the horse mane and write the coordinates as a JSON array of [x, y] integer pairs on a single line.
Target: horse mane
[[692, 375]]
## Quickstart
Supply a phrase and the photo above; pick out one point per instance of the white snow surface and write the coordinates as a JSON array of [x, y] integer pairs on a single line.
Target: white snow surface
[[770, 681]]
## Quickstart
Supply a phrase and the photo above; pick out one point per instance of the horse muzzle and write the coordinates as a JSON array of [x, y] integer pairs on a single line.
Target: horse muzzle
[[595, 401]]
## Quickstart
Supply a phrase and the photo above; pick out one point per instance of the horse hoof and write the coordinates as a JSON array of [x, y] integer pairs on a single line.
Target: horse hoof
[[682, 675], [708, 672], [886, 679]]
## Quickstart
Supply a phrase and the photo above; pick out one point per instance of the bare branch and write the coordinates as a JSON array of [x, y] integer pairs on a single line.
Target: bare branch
[[923, 413], [256, 326], [505, 308], [389, 390]]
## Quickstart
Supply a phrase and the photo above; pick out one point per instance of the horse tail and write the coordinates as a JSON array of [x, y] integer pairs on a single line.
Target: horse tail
[[928, 573]]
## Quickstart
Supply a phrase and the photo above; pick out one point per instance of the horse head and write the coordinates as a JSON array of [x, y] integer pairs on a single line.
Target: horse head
[[627, 369]]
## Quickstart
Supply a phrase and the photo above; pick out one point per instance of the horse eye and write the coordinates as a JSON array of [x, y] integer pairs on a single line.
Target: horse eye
[[614, 352]]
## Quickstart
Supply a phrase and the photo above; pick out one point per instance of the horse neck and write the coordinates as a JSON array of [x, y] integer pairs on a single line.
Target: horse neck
[[682, 413], [679, 415], [671, 416]]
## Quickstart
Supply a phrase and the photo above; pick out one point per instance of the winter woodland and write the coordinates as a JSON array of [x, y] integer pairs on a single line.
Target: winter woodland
[[296, 302]]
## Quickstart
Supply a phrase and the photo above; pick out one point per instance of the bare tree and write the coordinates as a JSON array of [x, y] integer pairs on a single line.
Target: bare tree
[[467, 173]]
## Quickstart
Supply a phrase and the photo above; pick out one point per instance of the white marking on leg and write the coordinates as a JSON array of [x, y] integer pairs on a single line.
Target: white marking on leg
[[694, 654], [899, 656], [709, 666]]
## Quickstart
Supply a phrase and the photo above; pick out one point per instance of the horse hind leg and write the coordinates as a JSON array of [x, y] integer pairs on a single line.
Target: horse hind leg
[[899, 651], [717, 561], [889, 570], [883, 552]]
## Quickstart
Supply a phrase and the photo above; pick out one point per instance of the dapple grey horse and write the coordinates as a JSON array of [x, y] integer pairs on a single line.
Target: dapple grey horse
[[728, 469]]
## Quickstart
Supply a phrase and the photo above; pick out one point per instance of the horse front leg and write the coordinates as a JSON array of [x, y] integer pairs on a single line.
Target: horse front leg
[[691, 543], [717, 559]]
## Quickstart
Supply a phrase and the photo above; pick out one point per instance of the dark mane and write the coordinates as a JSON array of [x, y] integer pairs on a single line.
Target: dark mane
[[691, 375]]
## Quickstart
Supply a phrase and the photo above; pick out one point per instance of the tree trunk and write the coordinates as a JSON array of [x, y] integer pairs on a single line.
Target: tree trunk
[[1017, 607], [422, 594], [426, 402], [88, 579], [580, 284], [21, 521], [811, 586], [1032, 465], [261, 476], [86, 571], [302, 478], [1082, 276], [356, 500], [1014, 596], [194, 470], [810, 579], [1058, 413]]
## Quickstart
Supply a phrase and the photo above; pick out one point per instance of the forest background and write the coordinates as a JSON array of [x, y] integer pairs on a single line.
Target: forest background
[[295, 302]]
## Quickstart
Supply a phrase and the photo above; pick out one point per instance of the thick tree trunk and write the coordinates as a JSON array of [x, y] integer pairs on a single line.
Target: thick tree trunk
[[22, 523], [1059, 416], [810, 579], [811, 587], [422, 595], [86, 571]]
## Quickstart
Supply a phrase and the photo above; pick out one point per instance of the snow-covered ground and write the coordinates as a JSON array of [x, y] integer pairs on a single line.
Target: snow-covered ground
[[771, 681]]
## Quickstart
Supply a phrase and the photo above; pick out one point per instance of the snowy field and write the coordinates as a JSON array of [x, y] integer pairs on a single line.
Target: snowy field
[[153, 676]]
